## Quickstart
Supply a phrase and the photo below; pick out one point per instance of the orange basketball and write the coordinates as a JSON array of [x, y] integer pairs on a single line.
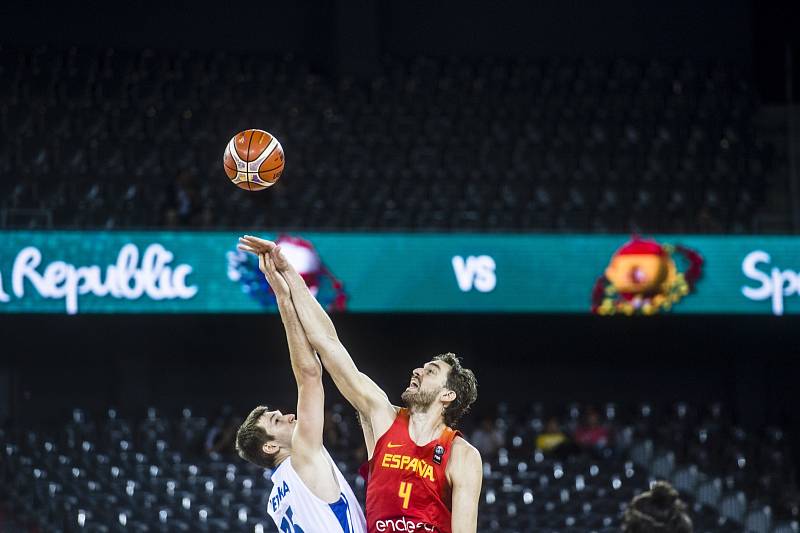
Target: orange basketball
[[253, 160]]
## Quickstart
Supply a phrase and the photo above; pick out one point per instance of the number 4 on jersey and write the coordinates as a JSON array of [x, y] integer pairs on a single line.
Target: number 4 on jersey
[[405, 493]]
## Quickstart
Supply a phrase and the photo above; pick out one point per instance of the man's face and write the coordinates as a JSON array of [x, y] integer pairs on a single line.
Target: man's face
[[426, 384], [280, 426]]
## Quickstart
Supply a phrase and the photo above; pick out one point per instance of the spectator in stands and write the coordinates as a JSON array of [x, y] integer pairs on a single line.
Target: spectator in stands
[[708, 223], [591, 434], [181, 204], [221, 437], [170, 217], [552, 438], [488, 438], [659, 510], [206, 217]]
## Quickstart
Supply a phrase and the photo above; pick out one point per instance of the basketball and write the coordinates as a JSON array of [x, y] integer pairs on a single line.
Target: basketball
[[253, 160]]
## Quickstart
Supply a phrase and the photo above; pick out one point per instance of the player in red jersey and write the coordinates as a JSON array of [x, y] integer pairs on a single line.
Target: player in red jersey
[[423, 475]]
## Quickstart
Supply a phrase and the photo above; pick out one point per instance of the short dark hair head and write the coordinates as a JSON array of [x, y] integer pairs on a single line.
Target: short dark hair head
[[658, 510], [251, 437], [461, 381]]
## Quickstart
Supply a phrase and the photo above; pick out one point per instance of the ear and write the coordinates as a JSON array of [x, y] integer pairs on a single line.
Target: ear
[[270, 447], [447, 396]]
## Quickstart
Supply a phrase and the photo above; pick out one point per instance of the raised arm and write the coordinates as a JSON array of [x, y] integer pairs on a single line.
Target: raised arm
[[363, 393], [307, 437]]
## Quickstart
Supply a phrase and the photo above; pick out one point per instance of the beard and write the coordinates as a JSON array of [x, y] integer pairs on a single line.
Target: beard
[[418, 399]]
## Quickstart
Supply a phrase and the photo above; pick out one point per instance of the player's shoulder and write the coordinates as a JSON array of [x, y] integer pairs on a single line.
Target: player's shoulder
[[309, 460], [465, 465], [392, 412], [385, 416], [464, 451]]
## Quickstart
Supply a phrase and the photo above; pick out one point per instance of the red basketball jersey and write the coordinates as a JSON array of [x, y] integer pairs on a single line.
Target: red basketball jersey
[[407, 488]]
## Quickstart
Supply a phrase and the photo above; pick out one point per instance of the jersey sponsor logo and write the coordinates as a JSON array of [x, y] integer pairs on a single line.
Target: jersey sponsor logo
[[282, 492], [390, 445], [438, 454], [405, 462], [403, 524]]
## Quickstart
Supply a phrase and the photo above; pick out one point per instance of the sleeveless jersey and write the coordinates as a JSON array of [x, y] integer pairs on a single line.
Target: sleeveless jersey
[[407, 488], [295, 509]]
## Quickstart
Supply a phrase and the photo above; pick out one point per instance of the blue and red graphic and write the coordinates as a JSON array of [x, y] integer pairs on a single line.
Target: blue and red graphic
[[326, 288]]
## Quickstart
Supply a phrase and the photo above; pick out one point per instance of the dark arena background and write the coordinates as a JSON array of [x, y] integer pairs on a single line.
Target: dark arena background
[[495, 179]]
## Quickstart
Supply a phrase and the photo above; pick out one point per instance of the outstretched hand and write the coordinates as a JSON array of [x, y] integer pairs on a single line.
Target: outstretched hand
[[274, 278], [255, 245], [270, 261], [258, 246]]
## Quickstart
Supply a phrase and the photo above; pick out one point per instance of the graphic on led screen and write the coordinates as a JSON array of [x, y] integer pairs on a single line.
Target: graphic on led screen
[[646, 277], [304, 257]]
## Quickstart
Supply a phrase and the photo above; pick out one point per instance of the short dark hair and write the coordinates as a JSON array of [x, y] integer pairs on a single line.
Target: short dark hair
[[659, 510], [250, 440], [461, 381]]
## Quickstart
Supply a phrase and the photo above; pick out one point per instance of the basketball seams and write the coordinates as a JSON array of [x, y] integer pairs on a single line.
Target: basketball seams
[[230, 151], [240, 145], [254, 164], [248, 171], [234, 154], [271, 175], [229, 167], [249, 143]]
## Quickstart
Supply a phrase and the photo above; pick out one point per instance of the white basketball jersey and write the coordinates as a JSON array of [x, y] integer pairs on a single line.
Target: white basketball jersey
[[295, 509]]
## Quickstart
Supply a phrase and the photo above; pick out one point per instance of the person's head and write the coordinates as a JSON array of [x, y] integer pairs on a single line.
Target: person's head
[[659, 510], [265, 437], [592, 417], [445, 382], [552, 426]]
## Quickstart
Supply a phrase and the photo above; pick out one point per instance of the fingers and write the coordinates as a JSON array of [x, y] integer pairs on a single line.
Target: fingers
[[248, 249], [267, 266], [252, 248], [274, 278], [255, 246], [270, 265], [258, 240], [271, 260], [257, 243]]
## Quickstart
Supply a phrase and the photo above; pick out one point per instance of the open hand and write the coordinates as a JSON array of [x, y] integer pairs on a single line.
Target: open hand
[[258, 246], [255, 245]]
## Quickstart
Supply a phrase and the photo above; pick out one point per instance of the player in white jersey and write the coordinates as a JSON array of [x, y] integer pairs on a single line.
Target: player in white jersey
[[294, 508], [309, 494]]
